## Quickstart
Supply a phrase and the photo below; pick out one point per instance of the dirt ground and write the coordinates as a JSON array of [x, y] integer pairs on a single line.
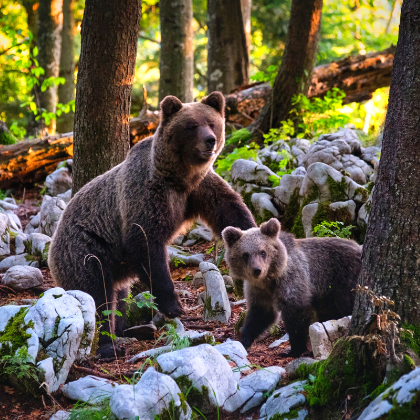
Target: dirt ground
[[17, 406]]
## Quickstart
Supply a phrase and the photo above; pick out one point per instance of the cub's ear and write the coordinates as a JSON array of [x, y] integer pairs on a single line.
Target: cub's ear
[[169, 105], [271, 228], [231, 235], [217, 101]]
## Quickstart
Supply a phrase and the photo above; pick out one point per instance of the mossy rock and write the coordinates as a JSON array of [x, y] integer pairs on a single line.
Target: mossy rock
[[238, 288]]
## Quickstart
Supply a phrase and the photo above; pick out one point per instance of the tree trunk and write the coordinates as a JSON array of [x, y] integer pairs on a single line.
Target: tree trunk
[[228, 59], [358, 76], [31, 7], [176, 50], [105, 80], [66, 92], [246, 18], [49, 45], [390, 261], [295, 71]]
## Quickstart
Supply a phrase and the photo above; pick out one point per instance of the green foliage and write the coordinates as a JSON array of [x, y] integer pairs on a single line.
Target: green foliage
[[177, 262], [84, 411], [172, 338], [411, 337], [286, 131], [266, 76], [333, 229], [319, 115], [247, 152], [146, 302], [238, 137]]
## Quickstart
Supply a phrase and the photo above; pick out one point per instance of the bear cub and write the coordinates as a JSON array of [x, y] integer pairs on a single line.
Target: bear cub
[[299, 277]]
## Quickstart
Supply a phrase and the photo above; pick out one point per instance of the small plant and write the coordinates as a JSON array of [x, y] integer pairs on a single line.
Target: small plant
[[172, 338], [333, 229], [286, 131], [84, 411], [268, 76], [177, 262], [146, 302]]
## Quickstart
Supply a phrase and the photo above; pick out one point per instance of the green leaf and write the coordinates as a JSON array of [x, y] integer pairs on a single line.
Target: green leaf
[[35, 51]]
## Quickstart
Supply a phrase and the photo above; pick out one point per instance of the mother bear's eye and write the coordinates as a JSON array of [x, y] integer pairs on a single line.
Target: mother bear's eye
[[211, 125], [192, 126], [245, 257]]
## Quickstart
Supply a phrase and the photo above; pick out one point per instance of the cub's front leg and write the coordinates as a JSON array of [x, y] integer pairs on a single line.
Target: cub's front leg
[[261, 313]]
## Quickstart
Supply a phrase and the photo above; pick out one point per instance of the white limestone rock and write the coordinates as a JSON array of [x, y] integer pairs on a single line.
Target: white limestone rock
[[59, 181], [207, 370], [281, 340], [13, 222], [292, 366], [288, 185], [178, 254], [149, 398], [308, 213], [198, 279], [250, 172], [201, 232], [216, 301], [65, 196], [22, 277], [236, 352], [60, 415], [17, 260], [51, 210], [33, 225], [89, 389], [263, 206], [323, 335], [61, 323], [253, 387], [400, 394], [20, 243], [283, 400], [4, 235]]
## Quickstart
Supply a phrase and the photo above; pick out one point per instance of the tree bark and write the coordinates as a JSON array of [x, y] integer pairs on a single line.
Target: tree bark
[[176, 49], [49, 46], [246, 18], [295, 70], [105, 80], [390, 260], [66, 92], [228, 59], [358, 76], [32, 16]]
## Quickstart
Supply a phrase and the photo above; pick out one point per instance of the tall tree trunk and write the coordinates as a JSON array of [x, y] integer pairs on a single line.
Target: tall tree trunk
[[103, 91], [66, 92], [295, 70], [392, 247], [176, 49], [49, 44], [228, 59], [246, 18]]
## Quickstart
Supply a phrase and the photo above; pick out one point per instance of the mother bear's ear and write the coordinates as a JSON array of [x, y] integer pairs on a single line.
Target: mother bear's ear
[[217, 101], [169, 106], [231, 235]]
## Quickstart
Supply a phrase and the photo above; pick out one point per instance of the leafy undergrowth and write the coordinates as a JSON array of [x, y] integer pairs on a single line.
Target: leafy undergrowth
[[15, 405]]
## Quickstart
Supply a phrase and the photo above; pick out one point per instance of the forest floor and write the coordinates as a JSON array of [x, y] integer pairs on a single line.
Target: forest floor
[[17, 406]]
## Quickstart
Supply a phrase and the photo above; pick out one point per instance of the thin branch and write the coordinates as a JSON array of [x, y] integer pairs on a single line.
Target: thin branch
[[13, 46], [149, 39]]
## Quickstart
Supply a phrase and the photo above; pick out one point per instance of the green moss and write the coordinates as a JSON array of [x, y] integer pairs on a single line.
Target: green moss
[[7, 138], [411, 340], [369, 187], [297, 228], [294, 414], [407, 411], [338, 190], [342, 370], [194, 396], [14, 334], [363, 192], [322, 214], [291, 211]]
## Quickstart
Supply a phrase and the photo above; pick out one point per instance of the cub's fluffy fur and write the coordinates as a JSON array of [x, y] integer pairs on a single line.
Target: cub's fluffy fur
[[127, 216], [299, 277]]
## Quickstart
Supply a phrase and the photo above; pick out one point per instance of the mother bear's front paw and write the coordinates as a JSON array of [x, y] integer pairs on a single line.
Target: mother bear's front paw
[[170, 306]]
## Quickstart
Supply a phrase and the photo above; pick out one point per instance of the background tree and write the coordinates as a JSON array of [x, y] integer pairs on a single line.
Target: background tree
[[66, 91], [49, 45], [228, 59], [392, 247], [176, 49], [294, 75], [105, 79]]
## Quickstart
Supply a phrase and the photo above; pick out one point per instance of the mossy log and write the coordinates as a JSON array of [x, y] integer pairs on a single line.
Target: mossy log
[[30, 161], [358, 76]]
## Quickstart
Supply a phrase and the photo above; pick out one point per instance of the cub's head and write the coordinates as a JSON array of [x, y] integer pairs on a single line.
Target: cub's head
[[256, 253], [193, 133]]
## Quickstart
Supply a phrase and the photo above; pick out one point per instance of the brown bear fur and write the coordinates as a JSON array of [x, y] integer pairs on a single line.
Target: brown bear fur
[[118, 225], [299, 277]]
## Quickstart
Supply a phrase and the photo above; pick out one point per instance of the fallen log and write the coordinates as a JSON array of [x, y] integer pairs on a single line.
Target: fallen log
[[359, 76]]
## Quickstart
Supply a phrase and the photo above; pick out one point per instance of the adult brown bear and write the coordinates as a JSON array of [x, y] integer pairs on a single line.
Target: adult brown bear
[[127, 216]]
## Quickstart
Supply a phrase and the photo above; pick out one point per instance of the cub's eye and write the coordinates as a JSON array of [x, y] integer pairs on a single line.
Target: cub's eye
[[263, 254], [192, 126], [245, 257]]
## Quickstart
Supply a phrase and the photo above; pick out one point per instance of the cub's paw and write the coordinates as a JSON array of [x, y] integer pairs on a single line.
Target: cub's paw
[[171, 307], [246, 340]]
